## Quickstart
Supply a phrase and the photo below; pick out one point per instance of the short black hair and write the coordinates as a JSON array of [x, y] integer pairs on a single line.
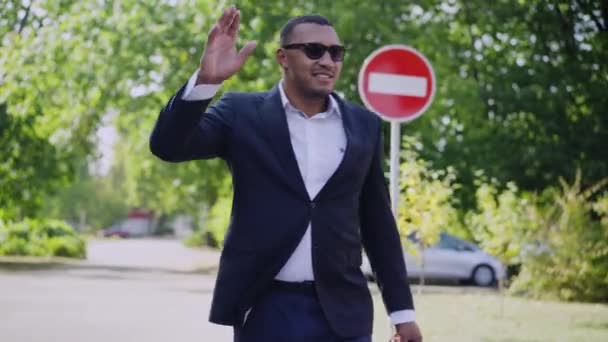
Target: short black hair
[[304, 19]]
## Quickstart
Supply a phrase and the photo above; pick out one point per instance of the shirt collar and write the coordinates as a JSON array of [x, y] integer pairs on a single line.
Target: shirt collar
[[333, 107]]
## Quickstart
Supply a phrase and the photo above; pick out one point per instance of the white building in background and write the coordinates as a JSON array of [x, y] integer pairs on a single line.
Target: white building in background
[[137, 223], [140, 223]]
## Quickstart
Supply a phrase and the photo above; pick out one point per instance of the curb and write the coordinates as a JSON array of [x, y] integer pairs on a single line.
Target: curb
[[26, 263]]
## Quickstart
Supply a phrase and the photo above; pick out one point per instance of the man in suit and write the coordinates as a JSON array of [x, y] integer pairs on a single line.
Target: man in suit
[[309, 191]]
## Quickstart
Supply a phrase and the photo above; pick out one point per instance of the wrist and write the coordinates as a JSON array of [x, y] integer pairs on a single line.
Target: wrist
[[202, 78], [404, 324]]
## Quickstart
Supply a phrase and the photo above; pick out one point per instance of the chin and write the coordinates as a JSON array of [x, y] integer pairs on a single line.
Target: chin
[[321, 92]]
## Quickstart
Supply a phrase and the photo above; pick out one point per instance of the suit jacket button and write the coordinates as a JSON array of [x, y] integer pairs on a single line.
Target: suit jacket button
[[313, 205]]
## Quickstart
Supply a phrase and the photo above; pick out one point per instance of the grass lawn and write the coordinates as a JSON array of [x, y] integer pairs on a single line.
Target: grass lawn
[[455, 315]]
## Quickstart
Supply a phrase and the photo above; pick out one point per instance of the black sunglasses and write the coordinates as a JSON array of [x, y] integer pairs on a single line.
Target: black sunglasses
[[317, 50]]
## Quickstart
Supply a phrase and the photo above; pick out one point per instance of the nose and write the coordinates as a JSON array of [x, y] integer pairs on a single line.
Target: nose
[[326, 60]]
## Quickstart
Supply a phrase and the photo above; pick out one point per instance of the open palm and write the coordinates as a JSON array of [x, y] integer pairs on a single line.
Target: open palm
[[220, 59]]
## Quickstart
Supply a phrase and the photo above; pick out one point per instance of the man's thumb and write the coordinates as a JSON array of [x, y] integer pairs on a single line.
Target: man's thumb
[[246, 51]]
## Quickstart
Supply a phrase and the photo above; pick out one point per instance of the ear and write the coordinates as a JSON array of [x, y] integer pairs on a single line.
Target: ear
[[282, 58]]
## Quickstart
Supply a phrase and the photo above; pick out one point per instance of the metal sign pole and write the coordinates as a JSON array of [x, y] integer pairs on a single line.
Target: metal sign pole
[[389, 77]]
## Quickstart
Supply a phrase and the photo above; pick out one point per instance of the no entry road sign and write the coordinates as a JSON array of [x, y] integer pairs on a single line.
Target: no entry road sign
[[397, 82]]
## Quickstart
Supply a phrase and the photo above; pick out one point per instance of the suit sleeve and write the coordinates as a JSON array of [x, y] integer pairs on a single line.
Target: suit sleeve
[[380, 236], [188, 130]]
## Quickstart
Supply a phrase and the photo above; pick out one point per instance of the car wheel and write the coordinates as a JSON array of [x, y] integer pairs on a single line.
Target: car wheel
[[483, 275]]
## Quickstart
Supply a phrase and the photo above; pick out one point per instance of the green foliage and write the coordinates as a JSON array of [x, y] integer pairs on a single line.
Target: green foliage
[[601, 208], [503, 220], [41, 238], [196, 239], [524, 77], [217, 222], [521, 89], [30, 166], [68, 247], [219, 214], [427, 200], [92, 202], [520, 95], [570, 261]]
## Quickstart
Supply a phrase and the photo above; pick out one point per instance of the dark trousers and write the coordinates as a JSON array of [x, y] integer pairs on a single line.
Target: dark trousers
[[288, 315]]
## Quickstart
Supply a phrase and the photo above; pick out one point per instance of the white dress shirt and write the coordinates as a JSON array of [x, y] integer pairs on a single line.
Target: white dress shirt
[[318, 143]]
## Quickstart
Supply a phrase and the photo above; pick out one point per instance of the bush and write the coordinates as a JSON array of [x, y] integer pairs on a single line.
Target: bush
[[15, 246], [571, 262], [41, 238], [218, 220], [196, 239], [427, 204], [503, 220], [67, 246]]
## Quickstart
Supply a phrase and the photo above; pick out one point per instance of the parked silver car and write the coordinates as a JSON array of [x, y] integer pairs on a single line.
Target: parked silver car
[[451, 259]]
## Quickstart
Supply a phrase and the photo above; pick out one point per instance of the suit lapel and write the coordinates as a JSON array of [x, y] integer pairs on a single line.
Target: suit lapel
[[275, 126], [349, 158]]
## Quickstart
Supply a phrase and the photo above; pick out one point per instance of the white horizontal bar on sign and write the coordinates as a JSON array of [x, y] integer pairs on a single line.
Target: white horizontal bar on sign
[[392, 84]]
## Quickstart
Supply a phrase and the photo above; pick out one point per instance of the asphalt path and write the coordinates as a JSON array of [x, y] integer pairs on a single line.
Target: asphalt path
[[127, 290]]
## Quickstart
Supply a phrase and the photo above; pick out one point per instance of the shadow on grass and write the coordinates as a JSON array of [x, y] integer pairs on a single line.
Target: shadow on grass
[[593, 325], [510, 339]]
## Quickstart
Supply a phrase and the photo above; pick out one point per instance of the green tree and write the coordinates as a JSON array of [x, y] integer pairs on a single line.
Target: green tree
[[33, 162], [74, 64], [89, 203], [521, 89], [523, 77], [427, 202], [503, 221], [30, 166]]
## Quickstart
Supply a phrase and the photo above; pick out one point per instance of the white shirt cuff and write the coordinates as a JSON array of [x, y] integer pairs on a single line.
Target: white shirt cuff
[[199, 92], [403, 316]]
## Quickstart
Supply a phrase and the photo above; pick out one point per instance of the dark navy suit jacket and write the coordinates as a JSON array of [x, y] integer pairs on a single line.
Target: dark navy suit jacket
[[271, 207]]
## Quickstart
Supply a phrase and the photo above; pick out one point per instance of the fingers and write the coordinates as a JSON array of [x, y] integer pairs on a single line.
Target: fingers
[[215, 30], [224, 23], [246, 51], [223, 20], [227, 18], [233, 29]]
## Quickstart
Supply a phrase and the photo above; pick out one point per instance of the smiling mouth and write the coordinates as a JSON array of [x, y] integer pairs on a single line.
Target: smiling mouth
[[323, 76]]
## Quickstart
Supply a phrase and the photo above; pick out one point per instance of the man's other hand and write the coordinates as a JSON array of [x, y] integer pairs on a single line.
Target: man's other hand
[[407, 332]]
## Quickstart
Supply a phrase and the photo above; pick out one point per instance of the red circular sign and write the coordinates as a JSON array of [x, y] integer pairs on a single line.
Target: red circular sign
[[397, 82]]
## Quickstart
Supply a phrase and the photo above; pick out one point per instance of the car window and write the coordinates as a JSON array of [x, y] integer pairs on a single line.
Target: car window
[[448, 242]]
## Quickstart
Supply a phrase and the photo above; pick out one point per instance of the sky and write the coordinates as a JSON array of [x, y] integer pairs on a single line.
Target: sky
[[106, 135]]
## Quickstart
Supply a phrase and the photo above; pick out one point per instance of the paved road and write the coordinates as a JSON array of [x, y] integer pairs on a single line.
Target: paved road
[[159, 254], [128, 290], [95, 305]]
